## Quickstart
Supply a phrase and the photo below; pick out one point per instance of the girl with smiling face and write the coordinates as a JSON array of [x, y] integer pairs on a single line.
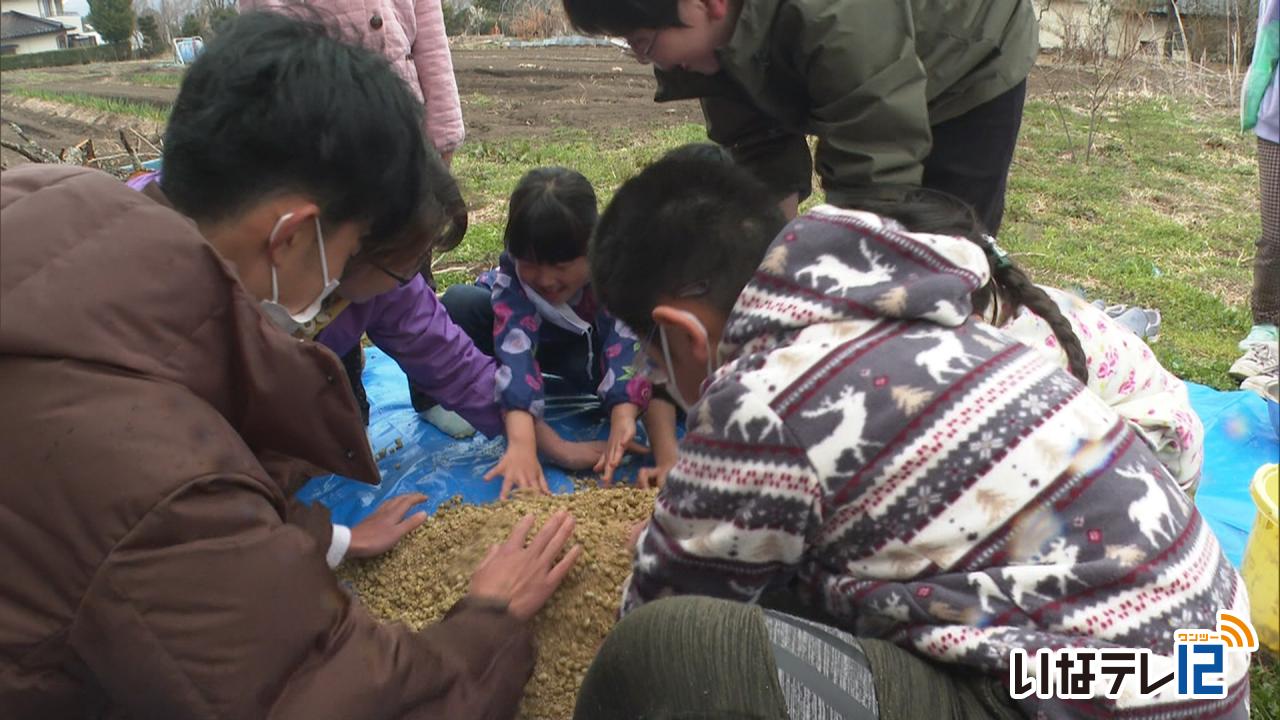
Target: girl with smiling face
[[536, 313]]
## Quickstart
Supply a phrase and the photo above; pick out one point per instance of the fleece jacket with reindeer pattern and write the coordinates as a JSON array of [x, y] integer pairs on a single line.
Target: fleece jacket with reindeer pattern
[[924, 478]]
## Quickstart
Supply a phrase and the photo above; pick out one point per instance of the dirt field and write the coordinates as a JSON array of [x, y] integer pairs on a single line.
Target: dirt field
[[505, 92]]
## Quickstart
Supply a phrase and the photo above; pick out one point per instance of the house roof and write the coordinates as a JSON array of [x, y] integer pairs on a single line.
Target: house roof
[[14, 25]]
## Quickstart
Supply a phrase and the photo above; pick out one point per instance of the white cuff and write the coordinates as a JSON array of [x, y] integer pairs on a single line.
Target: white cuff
[[338, 545]]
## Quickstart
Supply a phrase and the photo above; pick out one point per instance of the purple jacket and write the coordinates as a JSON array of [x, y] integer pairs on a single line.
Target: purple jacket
[[411, 326]]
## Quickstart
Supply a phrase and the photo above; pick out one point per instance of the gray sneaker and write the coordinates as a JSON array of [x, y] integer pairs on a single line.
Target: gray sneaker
[[1259, 359], [1268, 386]]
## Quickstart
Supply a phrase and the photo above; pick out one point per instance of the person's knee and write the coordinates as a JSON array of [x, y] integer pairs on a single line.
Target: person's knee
[[462, 300], [660, 645], [470, 309], [650, 623]]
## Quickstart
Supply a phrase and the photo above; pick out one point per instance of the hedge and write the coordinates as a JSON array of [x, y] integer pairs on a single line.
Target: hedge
[[71, 56]]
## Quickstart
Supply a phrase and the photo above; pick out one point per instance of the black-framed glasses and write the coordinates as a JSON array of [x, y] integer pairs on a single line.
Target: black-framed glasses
[[643, 56], [400, 279]]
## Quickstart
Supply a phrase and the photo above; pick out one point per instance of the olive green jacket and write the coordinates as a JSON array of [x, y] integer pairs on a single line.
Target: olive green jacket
[[867, 77]]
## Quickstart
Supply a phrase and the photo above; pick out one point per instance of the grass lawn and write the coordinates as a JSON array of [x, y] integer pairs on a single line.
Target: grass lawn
[[157, 79], [1164, 215], [1265, 687]]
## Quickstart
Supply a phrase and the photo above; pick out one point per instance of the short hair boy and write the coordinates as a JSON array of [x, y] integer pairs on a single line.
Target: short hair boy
[[856, 437]]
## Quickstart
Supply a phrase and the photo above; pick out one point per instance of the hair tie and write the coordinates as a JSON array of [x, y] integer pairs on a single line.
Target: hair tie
[[1002, 258]]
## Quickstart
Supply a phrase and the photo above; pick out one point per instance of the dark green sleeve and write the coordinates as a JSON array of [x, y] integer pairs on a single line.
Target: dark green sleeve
[[867, 91]]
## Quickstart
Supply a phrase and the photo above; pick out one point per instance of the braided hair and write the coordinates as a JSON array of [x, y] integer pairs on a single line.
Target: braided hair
[[931, 211]]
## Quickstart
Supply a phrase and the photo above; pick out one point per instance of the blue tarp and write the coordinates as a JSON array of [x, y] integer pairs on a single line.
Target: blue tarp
[[420, 458], [1239, 437]]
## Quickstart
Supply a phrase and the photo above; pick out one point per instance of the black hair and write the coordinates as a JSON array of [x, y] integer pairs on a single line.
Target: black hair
[[683, 227], [925, 210], [700, 151], [550, 216], [278, 103], [441, 220], [621, 17], [437, 227]]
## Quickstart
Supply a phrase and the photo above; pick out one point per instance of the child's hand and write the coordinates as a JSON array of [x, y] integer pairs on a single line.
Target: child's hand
[[519, 468], [634, 532], [654, 477], [577, 455], [622, 433], [660, 422]]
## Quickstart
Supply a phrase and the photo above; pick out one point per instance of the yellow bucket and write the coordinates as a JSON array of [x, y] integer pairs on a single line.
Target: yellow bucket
[[1262, 558]]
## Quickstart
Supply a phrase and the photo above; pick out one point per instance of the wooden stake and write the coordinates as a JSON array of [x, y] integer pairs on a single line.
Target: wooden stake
[[22, 151], [133, 156]]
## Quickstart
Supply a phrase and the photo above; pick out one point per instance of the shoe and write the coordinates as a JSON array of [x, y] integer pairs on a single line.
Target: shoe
[[450, 423], [1259, 359], [1143, 322], [1259, 335], [1268, 386]]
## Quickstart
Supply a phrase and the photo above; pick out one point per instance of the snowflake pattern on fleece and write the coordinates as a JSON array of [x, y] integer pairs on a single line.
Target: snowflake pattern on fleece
[[925, 478], [516, 327]]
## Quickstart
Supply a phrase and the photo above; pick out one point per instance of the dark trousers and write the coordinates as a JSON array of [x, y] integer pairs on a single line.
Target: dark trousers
[[698, 657], [972, 153], [1266, 260], [353, 363], [559, 352]]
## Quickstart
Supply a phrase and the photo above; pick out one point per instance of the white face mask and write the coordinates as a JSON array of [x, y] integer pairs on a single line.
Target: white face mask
[[288, 321], [673, 388]]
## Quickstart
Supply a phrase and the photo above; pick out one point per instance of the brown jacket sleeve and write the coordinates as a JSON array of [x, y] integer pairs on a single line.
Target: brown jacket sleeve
[[212, 606], [292, 474]]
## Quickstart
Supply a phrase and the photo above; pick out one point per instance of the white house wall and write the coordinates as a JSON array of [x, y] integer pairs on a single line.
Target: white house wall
[[35, 43]]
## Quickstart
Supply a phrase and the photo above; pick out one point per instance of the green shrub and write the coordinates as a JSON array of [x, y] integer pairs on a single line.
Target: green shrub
[[72, 56]]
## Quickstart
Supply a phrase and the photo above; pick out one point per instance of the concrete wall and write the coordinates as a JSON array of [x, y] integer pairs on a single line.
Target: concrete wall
[[1076, 25]]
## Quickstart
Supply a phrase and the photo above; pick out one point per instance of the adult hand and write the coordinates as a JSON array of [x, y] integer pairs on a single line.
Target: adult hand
[[526, 577], [380, 531], [519, 468]]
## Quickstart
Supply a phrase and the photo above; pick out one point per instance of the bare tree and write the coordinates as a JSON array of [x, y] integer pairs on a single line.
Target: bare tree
[[170, 13]]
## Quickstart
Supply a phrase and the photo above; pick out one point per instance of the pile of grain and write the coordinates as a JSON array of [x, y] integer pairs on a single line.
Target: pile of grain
[[423, 576]]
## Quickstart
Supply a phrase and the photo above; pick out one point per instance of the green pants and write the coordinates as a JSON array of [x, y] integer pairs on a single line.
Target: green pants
[[695, 657]]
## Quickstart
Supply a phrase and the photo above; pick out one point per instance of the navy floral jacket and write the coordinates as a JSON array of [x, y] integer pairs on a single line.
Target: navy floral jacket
[[516, 328]]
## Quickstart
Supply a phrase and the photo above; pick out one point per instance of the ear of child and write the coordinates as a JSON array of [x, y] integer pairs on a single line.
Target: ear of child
[[687, 331]]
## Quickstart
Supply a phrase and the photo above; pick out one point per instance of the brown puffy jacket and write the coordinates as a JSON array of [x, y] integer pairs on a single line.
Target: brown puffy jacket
[[150, 566]]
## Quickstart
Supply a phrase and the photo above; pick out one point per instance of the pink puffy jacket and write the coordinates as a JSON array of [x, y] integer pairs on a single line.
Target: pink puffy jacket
[[410, 33]]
